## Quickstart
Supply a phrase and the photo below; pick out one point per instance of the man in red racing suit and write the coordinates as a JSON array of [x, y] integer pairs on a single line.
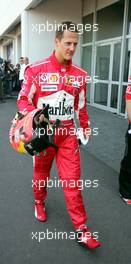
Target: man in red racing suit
[[125, 169], [62, 85]]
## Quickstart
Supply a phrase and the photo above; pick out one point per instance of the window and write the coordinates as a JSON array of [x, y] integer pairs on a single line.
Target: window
[[103, 62], [110, 21], [126, 64], [86, 59], [129, 19], [87, 35], [116, 62], [114, 96], [86, 65], [101, 93]]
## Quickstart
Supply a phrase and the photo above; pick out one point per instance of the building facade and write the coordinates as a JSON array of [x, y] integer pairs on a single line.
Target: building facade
[[107, 52], [104, 53]]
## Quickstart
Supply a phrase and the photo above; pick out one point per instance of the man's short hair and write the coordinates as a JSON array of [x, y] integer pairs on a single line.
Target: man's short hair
[[67, 25]]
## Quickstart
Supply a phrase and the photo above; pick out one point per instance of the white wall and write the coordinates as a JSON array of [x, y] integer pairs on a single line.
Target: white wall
[[17, 49], [38, 46], [12, 37], [33, 44], [10, 11], [1, 52]]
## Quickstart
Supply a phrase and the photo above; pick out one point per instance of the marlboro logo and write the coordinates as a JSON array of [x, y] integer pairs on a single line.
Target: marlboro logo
[[61, 109]]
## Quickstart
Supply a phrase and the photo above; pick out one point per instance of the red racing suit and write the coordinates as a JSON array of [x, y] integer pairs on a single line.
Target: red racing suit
[[64, 89], [128, 91]]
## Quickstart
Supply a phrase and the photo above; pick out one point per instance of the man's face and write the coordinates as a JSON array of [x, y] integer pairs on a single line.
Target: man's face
[[66, 46], [21, 61]]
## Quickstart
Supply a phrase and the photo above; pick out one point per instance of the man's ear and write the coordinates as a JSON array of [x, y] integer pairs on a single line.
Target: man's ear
[[57, 41]]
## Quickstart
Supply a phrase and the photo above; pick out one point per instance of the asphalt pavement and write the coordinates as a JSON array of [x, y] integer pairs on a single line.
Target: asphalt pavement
[[25, 240]]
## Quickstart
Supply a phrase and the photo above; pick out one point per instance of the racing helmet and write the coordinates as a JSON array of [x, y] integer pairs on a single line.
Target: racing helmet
[[21, 130], [27, 135]]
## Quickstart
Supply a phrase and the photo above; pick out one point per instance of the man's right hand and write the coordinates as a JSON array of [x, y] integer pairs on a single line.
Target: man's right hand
[[41, 118], [38, 119]]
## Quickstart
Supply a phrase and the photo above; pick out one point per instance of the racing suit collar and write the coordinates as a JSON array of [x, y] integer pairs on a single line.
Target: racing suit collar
[[58, 65]]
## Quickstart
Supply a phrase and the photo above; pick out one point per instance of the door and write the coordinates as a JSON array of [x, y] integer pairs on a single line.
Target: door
[[107, 70]]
